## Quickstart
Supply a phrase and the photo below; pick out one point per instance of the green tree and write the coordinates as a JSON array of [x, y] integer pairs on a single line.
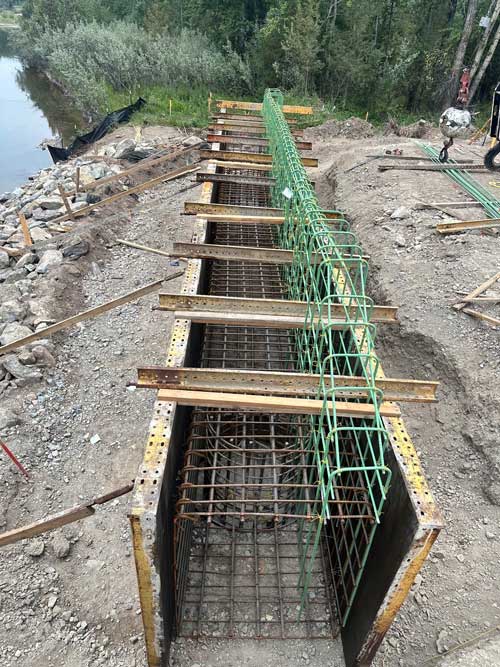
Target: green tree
[[301, 47]]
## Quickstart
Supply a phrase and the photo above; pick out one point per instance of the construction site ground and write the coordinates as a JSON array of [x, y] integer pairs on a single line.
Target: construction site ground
[[71, 597]]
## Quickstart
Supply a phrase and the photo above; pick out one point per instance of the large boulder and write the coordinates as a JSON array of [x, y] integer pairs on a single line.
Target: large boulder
[[13, 311], [14, 331], [51, 203], [13, 366], [123, 147]]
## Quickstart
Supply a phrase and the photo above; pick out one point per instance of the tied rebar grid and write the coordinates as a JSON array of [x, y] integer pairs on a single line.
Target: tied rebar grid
[[237, 549], [339, 278]]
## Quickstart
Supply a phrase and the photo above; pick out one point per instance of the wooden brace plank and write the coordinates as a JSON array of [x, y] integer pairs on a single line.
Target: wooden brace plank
[[87, 314], [287, 384], [257, 106], [274, 404], [235, 307], [170, 176], [259, 158], [245, 253], [468, 225], [61, 519], [494, 321], [140, 166]]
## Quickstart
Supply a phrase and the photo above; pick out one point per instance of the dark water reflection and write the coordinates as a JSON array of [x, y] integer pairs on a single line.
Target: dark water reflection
[[31, 110]]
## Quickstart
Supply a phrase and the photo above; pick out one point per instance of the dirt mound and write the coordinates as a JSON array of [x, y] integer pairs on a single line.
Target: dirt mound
[[352, 128]]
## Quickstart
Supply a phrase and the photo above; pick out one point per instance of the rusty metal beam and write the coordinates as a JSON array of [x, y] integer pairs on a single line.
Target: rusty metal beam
[[280, 383], [199, 208], [466, 225], [248, 118], [246, 254], [227, 309]]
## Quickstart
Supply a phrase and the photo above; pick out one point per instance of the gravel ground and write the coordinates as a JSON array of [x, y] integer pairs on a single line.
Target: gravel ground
[[71, 597], [456, 596]]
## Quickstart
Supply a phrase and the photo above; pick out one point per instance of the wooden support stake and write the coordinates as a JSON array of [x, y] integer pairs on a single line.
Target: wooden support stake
[[66, 203], [87, 314], [155, 251], [258, 158], [28, 241], [77, 180], [481, 316], [61, 519]]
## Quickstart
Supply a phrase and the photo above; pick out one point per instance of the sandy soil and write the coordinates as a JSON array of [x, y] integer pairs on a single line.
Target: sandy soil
[[95, 618]]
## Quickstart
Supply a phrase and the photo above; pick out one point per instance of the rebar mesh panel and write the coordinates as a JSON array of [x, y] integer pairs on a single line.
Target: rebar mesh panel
[[243, 583]]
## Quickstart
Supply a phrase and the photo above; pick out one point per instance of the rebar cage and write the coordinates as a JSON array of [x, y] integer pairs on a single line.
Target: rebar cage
[[321, 479]]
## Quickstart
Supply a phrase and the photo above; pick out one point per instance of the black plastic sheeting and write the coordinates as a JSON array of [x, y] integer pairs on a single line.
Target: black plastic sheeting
[[112, 119]]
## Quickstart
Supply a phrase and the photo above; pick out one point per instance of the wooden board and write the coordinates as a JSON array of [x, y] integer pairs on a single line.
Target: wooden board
[[280, 383], [61, 519], [148, 163], [241, 156], [257, 106], [229, 307], [494, 321], [86, 315], [273, 404], [169, 176]]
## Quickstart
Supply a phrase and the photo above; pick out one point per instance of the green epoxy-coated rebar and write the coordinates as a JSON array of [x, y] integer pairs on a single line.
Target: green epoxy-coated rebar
[[344, 450], [483, 196]]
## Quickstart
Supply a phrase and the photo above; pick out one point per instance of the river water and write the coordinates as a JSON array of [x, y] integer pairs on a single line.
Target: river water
[[31, 110]]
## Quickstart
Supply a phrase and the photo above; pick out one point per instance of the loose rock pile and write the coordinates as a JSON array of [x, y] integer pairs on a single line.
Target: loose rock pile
[[25, 307]]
